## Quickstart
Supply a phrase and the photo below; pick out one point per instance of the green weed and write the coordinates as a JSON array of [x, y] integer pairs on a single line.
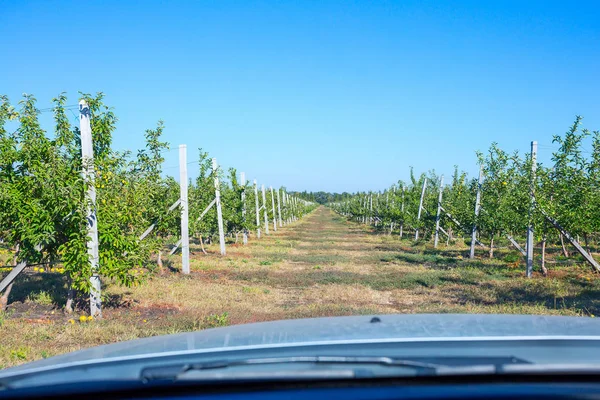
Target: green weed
[[216, 320]]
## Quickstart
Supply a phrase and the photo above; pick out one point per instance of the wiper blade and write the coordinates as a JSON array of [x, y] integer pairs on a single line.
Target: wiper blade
[[174, 372]]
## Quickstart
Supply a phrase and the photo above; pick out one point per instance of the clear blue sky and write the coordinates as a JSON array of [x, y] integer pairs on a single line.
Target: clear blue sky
[[336, 96]]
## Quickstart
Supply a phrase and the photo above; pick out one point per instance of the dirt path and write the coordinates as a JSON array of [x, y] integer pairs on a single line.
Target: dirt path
[[322, 265]]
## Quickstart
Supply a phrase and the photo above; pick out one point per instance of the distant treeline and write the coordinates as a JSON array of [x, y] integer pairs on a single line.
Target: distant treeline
[[322, 197]]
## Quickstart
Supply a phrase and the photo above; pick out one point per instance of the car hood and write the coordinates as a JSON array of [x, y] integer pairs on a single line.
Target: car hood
[[414, 327]]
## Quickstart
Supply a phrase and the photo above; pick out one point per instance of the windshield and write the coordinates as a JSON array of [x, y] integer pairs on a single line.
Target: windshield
[[175, 167]]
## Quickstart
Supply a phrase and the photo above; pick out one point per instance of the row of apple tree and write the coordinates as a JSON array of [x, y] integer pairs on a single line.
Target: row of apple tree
[[558, 201], [43, 203]]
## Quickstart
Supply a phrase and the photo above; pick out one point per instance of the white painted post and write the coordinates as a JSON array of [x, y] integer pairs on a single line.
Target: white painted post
[[273, 207], [218, 204], [264, 206], [420, 208], [87, 157], [288, 201], [183, 194], [366, 210], [285, 207], [295, 208], [402, 211], [296, 215], [477, 210], [377, 209], [283, 213], [439, 212], [291, 207], [279, 209], [529, 248], [245, 231], [257, 210], [371, 209]]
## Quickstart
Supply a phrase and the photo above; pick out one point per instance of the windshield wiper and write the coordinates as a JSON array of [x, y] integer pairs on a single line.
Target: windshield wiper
[[175, 372]]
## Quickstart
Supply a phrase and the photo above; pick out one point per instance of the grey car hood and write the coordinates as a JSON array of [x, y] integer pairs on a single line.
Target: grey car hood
[[413, 327]]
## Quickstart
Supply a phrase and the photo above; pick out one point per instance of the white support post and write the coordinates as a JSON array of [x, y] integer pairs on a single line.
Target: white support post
[[289, 205], [529, 245], [366, 208], [273, 207], [8, 279], [516, 244], [402, 211], [377, 208], [151, 227], [420, 208], [371, 209], [279, 209], [439, 213], [573, 241], [218, 204], [245, 230], [87, 157], [282, 198], [387, 206], [183, 195], [477, 210], [264, 207], [285, 207], [295, 201], [257, 210], [207, 209]]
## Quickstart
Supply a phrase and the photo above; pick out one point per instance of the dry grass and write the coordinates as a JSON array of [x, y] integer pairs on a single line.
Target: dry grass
[[320, 266]]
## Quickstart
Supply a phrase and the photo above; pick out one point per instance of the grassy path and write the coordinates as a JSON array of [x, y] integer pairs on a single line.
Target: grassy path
[[322, 265]]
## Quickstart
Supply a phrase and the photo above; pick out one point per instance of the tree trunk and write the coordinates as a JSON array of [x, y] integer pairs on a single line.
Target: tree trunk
[[202, 245], [492, 247], [70, 297], [159, 261], [587, 244], [16, 256], [562, 244], [4, 298], [391, 227], [544, 270]]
